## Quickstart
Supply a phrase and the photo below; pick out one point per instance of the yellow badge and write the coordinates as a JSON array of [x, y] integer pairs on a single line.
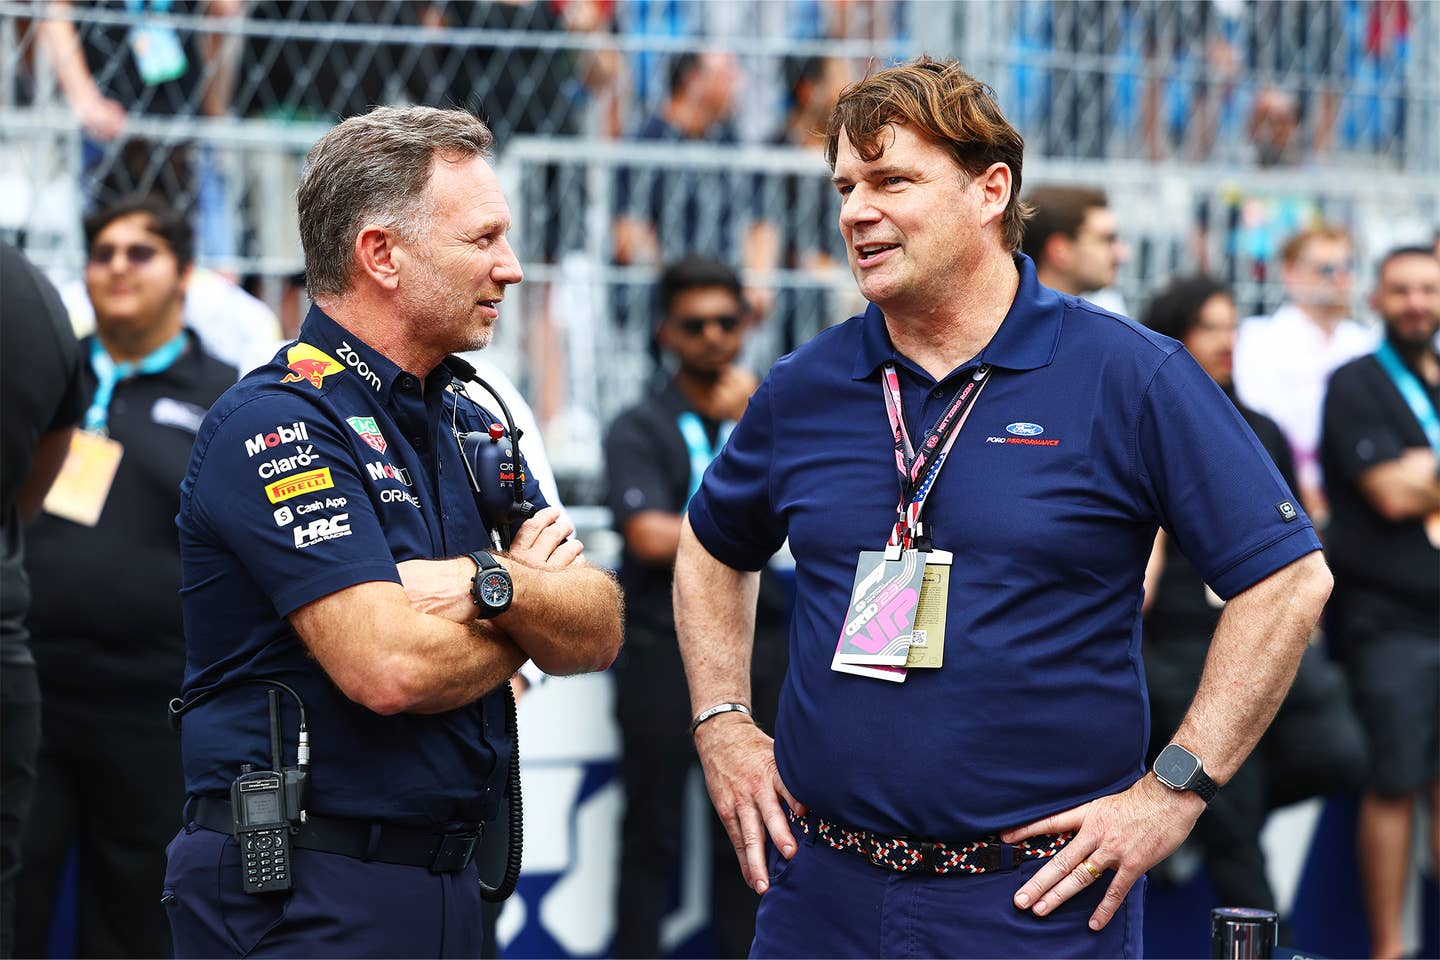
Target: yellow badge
[[927, 643], [294, 486], [80, 491], [308, 363]]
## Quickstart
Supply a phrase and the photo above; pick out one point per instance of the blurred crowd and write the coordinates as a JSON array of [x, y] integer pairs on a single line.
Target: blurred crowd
[[725, 252]]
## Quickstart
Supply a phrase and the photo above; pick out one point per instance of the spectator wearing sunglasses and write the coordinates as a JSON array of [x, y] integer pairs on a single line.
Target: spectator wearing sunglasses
[[1283, 361], [655, 455], [108, 663]]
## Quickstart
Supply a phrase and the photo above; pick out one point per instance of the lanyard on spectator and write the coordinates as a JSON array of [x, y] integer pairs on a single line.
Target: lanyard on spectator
[[108, 373], [698, 443], [1415, 396], [919, 468]]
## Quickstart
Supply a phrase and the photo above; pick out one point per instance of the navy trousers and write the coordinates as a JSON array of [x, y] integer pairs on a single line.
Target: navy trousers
[[827, 903], [339, 907]]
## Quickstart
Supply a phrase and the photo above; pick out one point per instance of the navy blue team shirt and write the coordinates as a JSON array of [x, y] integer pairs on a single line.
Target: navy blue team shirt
[[319, 471], [1040, 704]]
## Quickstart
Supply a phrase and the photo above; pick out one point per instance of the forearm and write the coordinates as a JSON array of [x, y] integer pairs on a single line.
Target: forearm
[[391, 658], [61, 44], [1405, 488], [567, 621], [222, 59], [457, 668], [1253, 657], [715, 623], [566, 618]]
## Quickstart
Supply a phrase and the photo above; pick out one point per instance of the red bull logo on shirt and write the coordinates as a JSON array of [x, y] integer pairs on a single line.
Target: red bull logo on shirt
[[308, 363]]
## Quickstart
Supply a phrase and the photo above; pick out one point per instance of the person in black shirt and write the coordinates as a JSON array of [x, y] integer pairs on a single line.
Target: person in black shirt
[[41, 397], [111, 655], [1380, 437], [1315, 745], [655, 455]]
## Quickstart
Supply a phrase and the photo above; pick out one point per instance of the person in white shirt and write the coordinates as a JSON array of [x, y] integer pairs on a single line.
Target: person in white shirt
[[1283, 361]]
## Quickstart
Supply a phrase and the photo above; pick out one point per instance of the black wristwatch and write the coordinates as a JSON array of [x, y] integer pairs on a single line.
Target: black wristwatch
[[492, 588], [1179, 769]]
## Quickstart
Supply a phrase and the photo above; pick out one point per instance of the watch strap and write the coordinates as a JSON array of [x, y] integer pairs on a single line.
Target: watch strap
[[1201, 783], [483, 561]]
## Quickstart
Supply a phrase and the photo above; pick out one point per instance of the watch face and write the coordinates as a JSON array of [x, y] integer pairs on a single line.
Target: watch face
[[494, 588], [1176, 765]]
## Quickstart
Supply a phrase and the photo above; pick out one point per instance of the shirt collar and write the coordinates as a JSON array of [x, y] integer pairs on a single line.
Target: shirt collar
[[1027, 339], [345, 354]]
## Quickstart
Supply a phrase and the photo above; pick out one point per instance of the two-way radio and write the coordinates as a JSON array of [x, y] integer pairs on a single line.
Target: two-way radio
[[267, 806], [257, 802]]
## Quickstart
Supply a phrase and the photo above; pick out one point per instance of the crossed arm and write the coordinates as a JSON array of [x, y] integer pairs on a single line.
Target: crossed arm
[[416, 646]]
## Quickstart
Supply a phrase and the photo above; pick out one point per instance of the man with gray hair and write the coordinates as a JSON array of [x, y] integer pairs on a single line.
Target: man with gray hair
[[356, 542]]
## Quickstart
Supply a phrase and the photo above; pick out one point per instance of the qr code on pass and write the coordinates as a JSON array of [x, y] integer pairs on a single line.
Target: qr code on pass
[[917, 639]]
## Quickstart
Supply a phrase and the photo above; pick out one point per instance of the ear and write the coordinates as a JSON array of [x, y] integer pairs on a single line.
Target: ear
[[995, 185], [378, 257], [184, 279], [665, 336], [1056, 251]]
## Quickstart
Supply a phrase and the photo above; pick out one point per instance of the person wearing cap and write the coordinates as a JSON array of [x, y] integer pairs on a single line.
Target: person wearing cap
[[970, 475], [341, 546]]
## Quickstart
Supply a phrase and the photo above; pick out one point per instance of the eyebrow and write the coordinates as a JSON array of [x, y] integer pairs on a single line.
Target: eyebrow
[[877, 172]]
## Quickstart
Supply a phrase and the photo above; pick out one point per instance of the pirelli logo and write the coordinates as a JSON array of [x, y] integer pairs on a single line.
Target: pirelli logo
[[294, 486]]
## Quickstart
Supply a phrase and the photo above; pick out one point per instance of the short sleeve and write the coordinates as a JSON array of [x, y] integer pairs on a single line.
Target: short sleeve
[[279, 486], [1211, 482], [733, 514], [1357, 433], [636, 478]]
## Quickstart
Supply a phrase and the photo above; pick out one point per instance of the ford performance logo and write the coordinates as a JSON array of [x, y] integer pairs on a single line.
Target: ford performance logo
[[1025, 429]]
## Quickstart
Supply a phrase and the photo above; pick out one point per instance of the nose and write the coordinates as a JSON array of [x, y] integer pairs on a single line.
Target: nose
[[507, 266], [858, 208]]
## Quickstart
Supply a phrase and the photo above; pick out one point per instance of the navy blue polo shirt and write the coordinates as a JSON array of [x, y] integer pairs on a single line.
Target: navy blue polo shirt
[[1040, 704], [319, 471]]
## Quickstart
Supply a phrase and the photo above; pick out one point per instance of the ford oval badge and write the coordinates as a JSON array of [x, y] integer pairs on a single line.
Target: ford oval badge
[[1025, 429]]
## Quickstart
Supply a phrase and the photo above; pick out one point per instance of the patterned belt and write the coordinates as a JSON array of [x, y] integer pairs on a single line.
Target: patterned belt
[[908, 856]]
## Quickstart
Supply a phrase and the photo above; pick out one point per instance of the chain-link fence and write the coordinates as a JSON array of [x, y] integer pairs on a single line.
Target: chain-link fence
[[1217, 126]]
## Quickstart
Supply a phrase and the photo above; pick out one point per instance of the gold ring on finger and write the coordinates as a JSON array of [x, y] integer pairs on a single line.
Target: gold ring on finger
[[1090, 868]]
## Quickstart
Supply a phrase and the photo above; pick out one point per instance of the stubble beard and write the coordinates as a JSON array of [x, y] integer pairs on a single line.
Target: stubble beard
[[446, 316]]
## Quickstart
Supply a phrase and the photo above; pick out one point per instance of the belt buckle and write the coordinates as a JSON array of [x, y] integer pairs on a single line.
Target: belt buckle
[[927, 855], [455, 851]]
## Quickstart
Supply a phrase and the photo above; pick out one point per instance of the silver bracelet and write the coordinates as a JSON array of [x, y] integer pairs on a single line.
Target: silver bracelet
[[715, 711]]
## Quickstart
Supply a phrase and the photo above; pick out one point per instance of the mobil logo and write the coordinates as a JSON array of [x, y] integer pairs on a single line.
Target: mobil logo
[[296, 432], [1023, 429]]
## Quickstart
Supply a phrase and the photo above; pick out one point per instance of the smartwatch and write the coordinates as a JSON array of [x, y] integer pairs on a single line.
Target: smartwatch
[[492, 589], [1179, 769]]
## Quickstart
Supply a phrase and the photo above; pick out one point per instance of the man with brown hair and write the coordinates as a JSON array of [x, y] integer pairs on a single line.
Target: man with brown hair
[[1071, 237], [1283, 361], [970, 475]]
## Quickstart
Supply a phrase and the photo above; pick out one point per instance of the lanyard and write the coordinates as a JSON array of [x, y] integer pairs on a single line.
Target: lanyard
[[108, 374], [919, 467], [1415, 396], [698, 443]]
